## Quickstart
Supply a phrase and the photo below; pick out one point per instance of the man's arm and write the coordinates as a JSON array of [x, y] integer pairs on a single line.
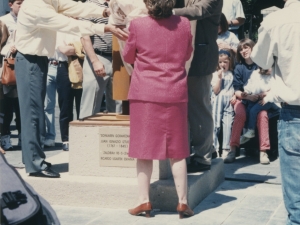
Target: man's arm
[[67, 50], [50, 19], [236, 22], [78, 9], [98, 67], [201, 9]]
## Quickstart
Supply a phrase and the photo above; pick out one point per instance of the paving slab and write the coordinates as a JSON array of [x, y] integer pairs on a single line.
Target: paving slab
[[233, 203]]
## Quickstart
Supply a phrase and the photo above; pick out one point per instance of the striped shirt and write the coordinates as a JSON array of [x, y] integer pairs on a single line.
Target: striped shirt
[[101, 42]]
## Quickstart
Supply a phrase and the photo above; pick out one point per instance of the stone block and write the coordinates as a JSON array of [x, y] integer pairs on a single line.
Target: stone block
[[87, 148]]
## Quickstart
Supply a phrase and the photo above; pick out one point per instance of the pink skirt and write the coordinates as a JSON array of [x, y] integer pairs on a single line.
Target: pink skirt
[[158, 130]]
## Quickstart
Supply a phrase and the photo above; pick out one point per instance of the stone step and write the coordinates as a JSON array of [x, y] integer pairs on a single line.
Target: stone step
[[119, 192]]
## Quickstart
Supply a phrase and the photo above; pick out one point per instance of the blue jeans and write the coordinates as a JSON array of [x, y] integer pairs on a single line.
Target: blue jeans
[[50, 102], [253, 108], [289, 153]]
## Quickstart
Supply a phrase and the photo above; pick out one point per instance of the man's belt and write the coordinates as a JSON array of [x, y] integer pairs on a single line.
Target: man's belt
[[99, 52], [53, 62]]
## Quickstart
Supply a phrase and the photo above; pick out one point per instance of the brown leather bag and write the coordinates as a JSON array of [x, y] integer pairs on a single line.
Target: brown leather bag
[[8, 72]]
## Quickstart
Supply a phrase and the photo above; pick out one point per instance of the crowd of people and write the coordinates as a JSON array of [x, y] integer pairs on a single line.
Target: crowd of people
[[208, 81]]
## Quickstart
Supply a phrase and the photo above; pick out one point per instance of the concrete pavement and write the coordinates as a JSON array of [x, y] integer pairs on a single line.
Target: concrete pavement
[[250, 195]]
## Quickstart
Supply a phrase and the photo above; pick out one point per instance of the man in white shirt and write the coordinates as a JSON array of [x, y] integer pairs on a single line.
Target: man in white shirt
[[233, 10], [38, 22], [279, 47]]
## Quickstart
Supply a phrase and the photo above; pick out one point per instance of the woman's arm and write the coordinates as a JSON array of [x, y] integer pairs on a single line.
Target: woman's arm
[[240, 95]]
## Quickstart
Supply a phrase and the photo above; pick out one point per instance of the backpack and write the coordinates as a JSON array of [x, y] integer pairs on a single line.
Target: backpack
[[20, 204]]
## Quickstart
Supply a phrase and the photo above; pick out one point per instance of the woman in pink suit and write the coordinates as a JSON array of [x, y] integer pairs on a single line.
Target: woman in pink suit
[[159, 45]]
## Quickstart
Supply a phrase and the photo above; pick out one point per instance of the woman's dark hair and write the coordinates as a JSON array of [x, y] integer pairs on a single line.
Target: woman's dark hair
[[223, 24], [160, 9], [244, 42]]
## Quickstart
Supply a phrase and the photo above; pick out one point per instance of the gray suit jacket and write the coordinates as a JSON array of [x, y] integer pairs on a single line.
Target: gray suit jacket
[[207, 13]]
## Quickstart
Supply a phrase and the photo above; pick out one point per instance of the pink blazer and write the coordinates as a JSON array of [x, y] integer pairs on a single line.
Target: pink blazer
[[159, 49]]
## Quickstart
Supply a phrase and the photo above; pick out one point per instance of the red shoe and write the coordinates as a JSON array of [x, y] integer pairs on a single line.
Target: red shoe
[[146, 207], [184, 210]]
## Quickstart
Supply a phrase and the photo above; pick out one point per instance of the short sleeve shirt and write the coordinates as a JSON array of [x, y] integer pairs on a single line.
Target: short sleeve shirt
[[233, 9]]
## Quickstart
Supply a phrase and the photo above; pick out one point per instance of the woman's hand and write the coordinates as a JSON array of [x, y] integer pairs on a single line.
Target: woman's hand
[[233, 100], [244, 94], [252, 98], [13, 49], [262, 95]]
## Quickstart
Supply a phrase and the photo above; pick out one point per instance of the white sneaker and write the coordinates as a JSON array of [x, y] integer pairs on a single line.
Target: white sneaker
[[49, 143], [228, 156], [264, 159], [249, 134], [6, 143], [244, 139]]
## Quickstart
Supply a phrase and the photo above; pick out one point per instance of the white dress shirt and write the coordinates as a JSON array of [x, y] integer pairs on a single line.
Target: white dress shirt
[[278, 47], [233, 9], [39, 20]]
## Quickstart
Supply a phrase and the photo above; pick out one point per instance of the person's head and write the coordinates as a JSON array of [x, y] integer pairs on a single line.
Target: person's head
[[225, 60], [223, 26], [244, 49], [15, 5], [159, 9]]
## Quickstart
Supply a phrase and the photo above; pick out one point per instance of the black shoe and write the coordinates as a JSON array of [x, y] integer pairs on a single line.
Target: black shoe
[[195, 167], [47, 163], [214, 155], [47, 173], [65, 146]]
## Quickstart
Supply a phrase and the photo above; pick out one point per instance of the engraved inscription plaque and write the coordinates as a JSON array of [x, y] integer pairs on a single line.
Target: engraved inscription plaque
[[114, 144]]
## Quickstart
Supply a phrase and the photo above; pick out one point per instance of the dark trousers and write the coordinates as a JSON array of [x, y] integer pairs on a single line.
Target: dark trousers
[[253, 108], [200, 117], [9, 106], [31, 73], [66, 96]]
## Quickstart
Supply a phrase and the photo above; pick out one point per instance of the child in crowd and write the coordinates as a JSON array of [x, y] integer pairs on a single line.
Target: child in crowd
[[223, 98], [259, 84]]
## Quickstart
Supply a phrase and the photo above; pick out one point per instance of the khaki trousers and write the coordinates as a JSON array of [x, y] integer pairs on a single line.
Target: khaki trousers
[[200, 117]]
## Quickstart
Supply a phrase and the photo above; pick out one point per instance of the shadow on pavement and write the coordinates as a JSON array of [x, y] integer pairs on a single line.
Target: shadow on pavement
[[61, 168]]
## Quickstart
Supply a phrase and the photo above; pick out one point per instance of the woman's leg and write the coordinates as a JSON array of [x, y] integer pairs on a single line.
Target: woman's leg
[[179, 172], [144, 172], [263, 131], [238, 124]]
